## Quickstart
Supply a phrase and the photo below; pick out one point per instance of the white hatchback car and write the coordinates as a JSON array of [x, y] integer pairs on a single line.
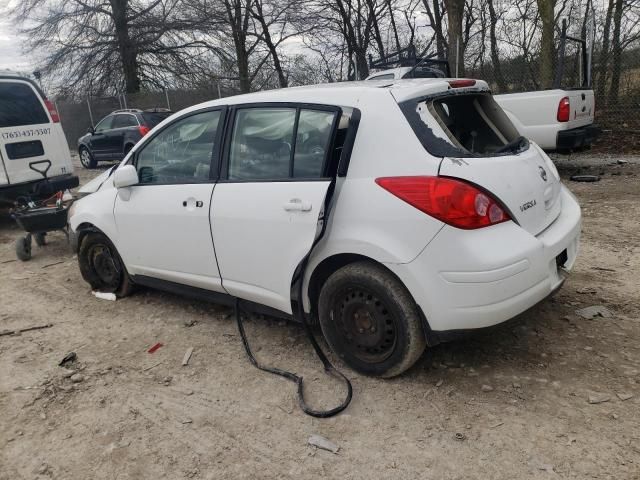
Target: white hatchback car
[[425, 214]]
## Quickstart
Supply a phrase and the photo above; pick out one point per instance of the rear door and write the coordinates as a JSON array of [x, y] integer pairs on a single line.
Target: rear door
[[27, 134], [270, 198], [122, 122]]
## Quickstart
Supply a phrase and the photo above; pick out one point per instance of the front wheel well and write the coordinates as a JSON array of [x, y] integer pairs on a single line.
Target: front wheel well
[[82, 230]]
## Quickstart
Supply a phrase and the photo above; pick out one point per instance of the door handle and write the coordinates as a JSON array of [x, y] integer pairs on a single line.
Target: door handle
[[297, 205], [191, 202]]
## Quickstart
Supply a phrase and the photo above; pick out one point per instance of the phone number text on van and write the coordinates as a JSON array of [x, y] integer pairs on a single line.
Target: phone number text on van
[[34, 132]]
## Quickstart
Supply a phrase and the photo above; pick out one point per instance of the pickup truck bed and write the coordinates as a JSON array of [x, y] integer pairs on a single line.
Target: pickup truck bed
[[538, 117]]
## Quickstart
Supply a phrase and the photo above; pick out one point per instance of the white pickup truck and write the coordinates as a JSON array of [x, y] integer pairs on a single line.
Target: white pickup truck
[[557, 119]]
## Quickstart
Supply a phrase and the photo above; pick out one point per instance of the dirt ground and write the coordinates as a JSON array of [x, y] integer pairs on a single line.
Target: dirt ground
[[511, 403]]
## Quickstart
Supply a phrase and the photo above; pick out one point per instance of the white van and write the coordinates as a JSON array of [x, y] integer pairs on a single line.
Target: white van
[[31, 141]]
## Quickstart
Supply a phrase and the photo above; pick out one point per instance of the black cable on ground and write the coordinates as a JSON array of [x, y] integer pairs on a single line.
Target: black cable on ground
[[297, 379], [328, 367]]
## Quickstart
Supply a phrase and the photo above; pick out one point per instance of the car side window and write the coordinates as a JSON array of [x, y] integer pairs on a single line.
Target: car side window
[[124, 120], [279, 143], [104, 124], [261, 144], [181, 152], [312, 142]]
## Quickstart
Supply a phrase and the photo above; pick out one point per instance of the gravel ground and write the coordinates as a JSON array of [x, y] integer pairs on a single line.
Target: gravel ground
[[551, 396]]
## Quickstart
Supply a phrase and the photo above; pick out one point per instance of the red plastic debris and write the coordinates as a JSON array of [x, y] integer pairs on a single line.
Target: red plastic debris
[[154, 348]]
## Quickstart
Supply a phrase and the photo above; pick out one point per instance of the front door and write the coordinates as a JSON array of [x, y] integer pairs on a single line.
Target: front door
[[99, 141], [163, 222], [270, 198]]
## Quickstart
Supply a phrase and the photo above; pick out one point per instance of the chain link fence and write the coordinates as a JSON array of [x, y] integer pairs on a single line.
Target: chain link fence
[[77, 117]]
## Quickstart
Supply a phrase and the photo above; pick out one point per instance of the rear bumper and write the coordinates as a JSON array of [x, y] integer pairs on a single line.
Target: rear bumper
[[577, 137], [466, 280], [38, 188]]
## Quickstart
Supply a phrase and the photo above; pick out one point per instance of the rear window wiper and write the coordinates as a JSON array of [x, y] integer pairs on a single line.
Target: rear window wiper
[[514, 146]]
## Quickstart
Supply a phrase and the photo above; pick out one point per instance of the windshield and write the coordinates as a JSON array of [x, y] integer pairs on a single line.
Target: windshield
[[463, 125]]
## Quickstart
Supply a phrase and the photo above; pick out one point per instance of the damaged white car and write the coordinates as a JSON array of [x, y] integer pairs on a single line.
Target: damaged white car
[[422, 210]]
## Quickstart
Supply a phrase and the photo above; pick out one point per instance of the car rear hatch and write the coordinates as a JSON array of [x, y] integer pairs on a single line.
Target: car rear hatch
[[479, 144], [26, 133]]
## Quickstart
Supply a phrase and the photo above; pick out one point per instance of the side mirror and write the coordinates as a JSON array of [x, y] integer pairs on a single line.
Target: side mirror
[[125, 176], [91, 130]]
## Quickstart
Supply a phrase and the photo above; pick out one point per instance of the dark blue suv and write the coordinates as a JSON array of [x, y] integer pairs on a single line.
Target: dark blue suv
[[116, 134]]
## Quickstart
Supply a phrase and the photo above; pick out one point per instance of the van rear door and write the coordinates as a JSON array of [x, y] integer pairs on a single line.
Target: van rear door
[[28, 134]]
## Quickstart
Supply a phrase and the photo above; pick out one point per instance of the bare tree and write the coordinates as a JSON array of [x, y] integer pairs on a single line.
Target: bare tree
[[101, 45], [547, 50], [493, 42], [455, 17], [435, 12]]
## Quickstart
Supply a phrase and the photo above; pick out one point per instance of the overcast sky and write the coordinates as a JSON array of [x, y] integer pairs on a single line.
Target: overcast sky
[[11, 45]]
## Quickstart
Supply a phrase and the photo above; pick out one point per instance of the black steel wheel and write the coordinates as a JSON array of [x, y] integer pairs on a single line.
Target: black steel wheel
[[23, 248], [366, 324], [101, 265], [370, 320]]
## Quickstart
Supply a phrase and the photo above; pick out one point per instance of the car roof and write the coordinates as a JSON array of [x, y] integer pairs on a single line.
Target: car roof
[[344, 93]]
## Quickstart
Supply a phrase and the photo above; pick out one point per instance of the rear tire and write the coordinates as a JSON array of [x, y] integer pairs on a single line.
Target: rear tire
[[86, 159], [370, 320], [23, 248], [101, 265]]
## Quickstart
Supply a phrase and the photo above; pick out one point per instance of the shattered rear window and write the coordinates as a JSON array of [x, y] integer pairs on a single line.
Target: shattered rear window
[[463, 125]]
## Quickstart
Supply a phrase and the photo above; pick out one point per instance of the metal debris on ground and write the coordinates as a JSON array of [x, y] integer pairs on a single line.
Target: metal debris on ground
[[155, 347], [68, 358], [322, 443], [594, 311], [26, 329], [104, 296], [460, 436], [187, 356], [585, 178]]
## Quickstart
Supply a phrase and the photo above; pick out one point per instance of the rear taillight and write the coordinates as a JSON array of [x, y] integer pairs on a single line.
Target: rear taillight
[[461, 83], [453, 201], [55, 118], [143, 129], [564, 110]]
